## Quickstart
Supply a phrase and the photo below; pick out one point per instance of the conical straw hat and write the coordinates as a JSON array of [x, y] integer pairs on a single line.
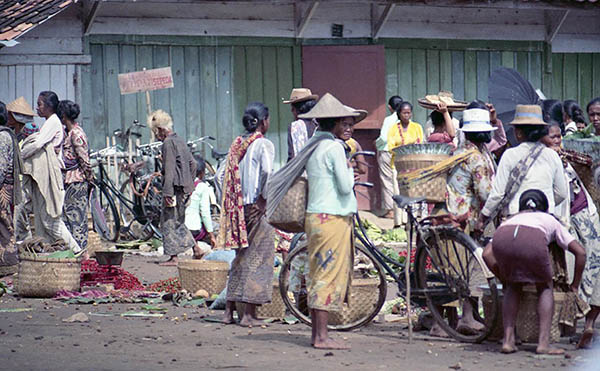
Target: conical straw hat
[[330, 107], [20, 106]]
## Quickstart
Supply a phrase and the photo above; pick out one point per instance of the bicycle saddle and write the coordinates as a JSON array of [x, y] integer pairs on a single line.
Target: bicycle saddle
[[217, 155], [404, 201]]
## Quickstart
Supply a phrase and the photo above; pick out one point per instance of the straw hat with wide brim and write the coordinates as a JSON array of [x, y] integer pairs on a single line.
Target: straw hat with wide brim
[[330, 107], [300, 95], [20, 106], [528, 114]]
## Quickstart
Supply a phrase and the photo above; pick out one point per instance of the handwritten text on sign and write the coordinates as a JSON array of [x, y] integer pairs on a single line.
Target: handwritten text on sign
[[133, 82]]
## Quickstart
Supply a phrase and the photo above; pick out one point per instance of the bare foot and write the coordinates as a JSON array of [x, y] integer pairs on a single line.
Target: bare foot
[[550, 351], [389, 215], [248, 321], [471, 327], [437, 331], [228, 318], [586, 339], [329, 343], [508, 349]]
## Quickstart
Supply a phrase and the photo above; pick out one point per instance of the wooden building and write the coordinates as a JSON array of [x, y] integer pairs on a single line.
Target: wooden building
[[225, 54]]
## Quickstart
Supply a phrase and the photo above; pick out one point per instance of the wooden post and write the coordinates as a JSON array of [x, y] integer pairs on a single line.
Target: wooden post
[[407, 279]]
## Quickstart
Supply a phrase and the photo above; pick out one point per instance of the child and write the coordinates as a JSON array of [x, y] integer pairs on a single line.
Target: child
[[197, 214]]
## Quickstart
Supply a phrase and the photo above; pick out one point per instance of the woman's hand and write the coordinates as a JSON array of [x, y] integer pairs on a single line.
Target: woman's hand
[[493, 114], [574, 288], [170, 201], [442, 107], [213, 240]]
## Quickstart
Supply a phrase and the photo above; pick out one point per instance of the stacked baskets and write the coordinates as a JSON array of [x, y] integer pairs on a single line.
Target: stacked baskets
[[363, 296], [418, 156]]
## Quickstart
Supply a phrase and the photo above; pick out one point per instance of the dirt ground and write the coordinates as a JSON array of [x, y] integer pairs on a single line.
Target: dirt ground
[[40, 340]]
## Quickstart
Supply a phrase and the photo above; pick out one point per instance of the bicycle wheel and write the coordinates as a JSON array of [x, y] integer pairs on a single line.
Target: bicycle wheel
[[105, 216], [451, 277], [367, 296]]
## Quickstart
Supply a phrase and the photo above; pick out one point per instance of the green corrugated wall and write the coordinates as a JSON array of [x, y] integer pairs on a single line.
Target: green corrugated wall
[[215, 78], [576, 76], [212, 85]]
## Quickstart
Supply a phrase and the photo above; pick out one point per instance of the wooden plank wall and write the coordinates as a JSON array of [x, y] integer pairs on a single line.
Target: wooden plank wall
[[29, 80], [212, 86], [414, 72], [576, 76]]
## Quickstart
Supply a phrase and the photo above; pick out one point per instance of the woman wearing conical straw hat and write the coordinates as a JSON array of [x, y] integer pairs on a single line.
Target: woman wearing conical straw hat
[[328, 224]]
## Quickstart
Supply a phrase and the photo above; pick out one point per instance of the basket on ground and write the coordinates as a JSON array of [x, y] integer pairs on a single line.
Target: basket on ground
[[209, 275], [363, 296], [418, 156], [528, 321], [41, 277], [274, 309]]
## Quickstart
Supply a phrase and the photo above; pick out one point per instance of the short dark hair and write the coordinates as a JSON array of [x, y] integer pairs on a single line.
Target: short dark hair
[[304, 106], [533, 133], [3, 114], [327, 124], [402, 105], [254, 114], [552, 109], [477, 103], [50, 99], [479, 136], [437, 118], [67, 108], [200, 164], [394, 101], [533, 199], [591, 103]]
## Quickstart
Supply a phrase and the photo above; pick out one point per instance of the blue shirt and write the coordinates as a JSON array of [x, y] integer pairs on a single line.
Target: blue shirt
[[330, 180]]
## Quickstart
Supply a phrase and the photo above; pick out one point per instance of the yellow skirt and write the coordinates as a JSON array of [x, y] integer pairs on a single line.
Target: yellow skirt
[[330, 252]]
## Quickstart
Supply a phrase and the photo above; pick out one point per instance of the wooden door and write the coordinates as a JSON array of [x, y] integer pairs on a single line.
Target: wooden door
[[356, 76]]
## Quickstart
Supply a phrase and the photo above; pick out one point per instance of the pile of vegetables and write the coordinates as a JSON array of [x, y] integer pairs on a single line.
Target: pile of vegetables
[[377, 234], [587, 133]]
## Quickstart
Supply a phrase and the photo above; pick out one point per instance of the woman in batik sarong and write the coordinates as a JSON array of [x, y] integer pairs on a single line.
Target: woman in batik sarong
[[178, 173], [585, 226], [328, 223], [10, 191], [243, 225], [77, 173]]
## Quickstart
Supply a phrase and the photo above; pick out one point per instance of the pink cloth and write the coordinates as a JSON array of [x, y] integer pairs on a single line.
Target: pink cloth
[[441, 138], [498, 137], [548, 224]]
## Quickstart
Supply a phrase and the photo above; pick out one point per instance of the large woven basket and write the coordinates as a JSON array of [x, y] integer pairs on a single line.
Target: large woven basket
[[434, 190], [528, 320], [289, 215], [42, 277], [363, 297], [274, 309], [209, 275]]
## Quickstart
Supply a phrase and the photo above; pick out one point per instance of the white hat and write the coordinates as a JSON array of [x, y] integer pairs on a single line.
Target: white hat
[[476, 120]]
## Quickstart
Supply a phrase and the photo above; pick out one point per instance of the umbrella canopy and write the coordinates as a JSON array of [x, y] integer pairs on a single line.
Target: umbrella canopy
[[507, 88]]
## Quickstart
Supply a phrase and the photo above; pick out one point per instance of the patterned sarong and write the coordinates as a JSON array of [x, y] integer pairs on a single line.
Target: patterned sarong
[[75, 211], [251, 275], [176, 236], [330, 252]]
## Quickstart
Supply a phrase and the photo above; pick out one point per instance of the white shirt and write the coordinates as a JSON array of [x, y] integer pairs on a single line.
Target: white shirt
[[381, 141], [51, 131], [545, 174], [255, 168]]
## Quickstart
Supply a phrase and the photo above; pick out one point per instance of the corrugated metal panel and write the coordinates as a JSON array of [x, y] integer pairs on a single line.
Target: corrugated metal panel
[[212, 86], [413, 72], [29, 80], [576, 76]]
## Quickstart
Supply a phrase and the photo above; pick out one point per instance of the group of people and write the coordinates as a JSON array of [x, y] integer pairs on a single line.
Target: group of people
[[44, 171]]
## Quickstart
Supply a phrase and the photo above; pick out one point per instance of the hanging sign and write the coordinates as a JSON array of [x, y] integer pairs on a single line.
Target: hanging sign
[[135, 82]]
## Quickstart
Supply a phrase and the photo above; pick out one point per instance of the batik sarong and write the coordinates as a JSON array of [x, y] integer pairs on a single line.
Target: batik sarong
[[251, 274], [75, 211], [330, 253]]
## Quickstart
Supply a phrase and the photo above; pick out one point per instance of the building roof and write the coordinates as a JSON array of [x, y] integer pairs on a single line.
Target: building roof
[[18, 17]]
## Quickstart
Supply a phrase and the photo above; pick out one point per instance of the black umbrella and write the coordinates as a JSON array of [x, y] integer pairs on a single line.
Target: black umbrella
[[507, 88]]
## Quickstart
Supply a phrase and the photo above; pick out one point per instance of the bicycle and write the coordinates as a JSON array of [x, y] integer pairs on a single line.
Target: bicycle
[[213, 175], [448, 271], [144, 208]]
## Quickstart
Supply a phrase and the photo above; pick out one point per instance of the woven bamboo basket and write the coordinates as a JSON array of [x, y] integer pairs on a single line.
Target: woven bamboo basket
[[95, 243], [7, 270], [528, 320], [41, 277], [209, 275], [274, 309], [434, 190], [363, 296]]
